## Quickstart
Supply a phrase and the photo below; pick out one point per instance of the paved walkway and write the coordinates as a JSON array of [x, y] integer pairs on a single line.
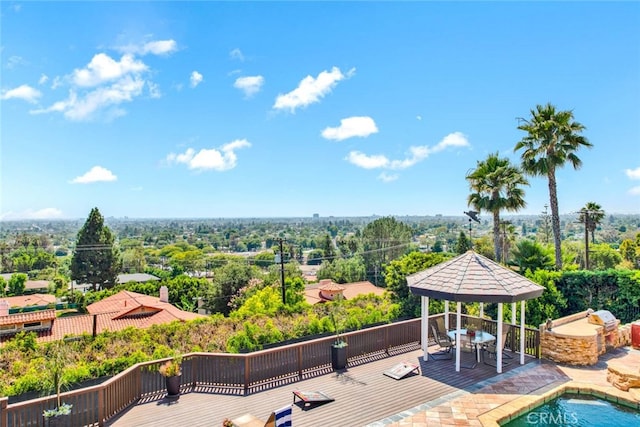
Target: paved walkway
[[464, 407]]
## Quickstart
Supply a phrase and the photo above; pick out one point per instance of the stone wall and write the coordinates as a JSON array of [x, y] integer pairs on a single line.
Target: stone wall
[[572, 341], [570, 350]]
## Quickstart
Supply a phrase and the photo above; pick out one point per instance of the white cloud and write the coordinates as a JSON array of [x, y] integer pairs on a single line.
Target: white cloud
[[45, 213], [455, 139], [96, 174], [419, 117], [311, 90], [103, 68], [24, 92], [350, 127], [634, 191], [196, 78], [385, 177], [236, 54], [633, 173], [156, 47], [250, 85], [160, 47], [154, 90], [87, 106], [57, 82], [43, 79], [15, 61], [221, 159], [416, 154], [367, 162], [98, 90]]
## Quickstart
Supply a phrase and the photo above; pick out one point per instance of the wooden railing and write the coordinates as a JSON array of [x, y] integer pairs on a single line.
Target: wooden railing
[[220, 373], [531, 335]]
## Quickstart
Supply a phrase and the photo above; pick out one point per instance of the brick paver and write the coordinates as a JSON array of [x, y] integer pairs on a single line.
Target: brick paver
[[464, 409]]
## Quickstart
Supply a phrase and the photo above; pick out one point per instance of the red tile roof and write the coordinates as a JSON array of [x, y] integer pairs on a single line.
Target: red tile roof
[[351, 290], [34, 316], [113, 313], [27, 300]]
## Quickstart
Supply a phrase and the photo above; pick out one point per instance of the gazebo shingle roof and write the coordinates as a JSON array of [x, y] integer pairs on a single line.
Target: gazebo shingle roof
[[472, 277]]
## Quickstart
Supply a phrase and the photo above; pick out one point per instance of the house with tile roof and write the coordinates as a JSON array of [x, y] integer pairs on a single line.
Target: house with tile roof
[[122, 310], [327, 290]]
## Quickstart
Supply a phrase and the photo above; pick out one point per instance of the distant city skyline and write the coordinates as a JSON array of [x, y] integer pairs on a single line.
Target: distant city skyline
[[288, 109]]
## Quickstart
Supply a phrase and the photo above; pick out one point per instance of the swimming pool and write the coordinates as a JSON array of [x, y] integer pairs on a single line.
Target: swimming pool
[[578, 410]]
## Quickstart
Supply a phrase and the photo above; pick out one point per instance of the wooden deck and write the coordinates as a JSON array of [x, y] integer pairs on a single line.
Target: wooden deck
[[362, 395]]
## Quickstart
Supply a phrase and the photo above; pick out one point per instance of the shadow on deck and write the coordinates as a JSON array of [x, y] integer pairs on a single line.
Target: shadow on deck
[[362, 395]]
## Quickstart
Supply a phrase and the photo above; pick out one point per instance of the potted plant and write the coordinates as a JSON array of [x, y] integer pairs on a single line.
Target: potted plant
[[338, 315], [471, 330], [172, 371], [56, 365]]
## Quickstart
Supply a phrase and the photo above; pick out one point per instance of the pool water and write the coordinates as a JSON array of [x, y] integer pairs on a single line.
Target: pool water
[[574, 410]]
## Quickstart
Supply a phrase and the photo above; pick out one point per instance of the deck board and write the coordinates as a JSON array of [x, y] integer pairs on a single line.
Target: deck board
[[362, 395]]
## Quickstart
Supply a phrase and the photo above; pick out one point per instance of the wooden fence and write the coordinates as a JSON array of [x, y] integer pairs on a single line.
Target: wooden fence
[[223, 373]]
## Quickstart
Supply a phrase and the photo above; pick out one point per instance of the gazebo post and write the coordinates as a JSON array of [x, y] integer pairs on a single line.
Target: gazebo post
[[522, 332], [472, 277], [499, 342], [446, 315], [425, 328], [458, 339], [482, 310]]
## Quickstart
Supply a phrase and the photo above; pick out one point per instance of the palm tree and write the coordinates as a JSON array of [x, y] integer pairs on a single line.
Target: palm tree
[[591, 215], [496, 186], [553, 138]]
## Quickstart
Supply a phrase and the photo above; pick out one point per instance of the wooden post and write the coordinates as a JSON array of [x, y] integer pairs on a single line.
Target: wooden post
[[4, 416]]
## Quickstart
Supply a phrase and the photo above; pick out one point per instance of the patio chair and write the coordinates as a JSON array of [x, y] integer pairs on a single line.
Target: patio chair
[[492, 349], [445, 345], [278, 418]]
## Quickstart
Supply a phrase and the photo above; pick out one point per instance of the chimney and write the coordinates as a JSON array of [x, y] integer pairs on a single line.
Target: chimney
[[164, 294], [4, 308]]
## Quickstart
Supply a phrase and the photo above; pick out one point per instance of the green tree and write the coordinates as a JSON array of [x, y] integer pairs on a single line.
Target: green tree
[[396, 279], [265, 259], [343, 270], [384, 240], [552, 139], [463, 244], [17, 284], [629, 252], [591, 215], [530, 255], [327, 248], [96, 259], [228, 280], [604, 257], [496, 185], [315, 257]]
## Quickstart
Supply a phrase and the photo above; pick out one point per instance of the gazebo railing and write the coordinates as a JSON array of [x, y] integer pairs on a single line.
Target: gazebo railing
[[531, 335]]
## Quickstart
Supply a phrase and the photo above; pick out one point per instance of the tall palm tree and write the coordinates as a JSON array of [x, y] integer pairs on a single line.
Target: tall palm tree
[[553, 138], [591, 215], [496, 186]]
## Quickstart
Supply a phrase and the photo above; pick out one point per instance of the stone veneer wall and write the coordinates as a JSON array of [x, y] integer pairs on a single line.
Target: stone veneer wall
[[580, 350]]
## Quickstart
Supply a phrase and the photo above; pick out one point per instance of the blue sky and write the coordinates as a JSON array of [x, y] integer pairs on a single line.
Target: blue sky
[[238, 109]]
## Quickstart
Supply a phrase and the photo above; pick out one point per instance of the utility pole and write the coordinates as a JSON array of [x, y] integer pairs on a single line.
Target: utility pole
[[284, 293]]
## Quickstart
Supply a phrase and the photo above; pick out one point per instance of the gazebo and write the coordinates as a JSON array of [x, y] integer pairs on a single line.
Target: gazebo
[[472, 277]]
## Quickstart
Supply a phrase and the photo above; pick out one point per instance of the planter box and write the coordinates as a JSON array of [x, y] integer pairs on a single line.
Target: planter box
[[338, 357], [173, 385]]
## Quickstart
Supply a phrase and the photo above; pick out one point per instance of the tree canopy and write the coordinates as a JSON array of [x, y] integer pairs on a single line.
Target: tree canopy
[[96, 259], [553, 138]]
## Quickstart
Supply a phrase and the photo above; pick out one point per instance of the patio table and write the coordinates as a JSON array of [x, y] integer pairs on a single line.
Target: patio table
[[480, 338]]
